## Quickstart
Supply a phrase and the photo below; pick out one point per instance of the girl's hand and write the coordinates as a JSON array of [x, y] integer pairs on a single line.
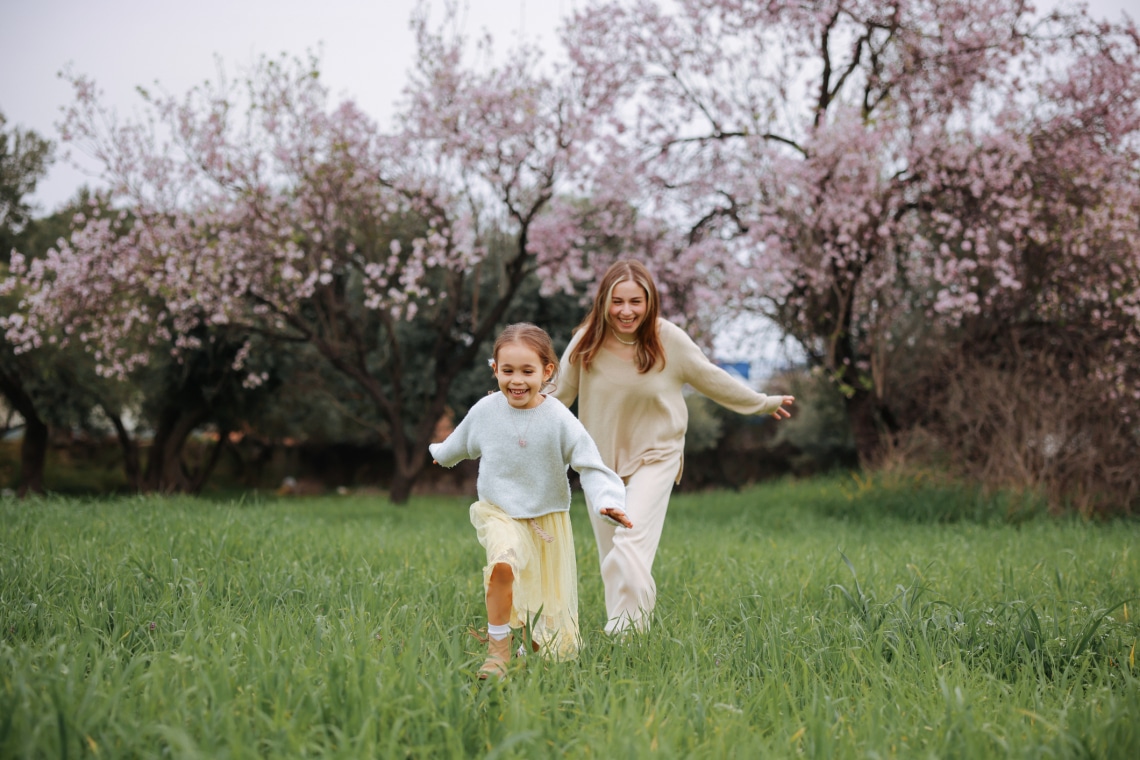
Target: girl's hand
[[783, 413], [616, 515]]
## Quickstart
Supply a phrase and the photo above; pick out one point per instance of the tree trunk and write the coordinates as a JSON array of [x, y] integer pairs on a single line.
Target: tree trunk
[[202, 474], [407, 472], [33, 451], [165, 472], [130, 448], [411, 460], [400, 488], [867, 426]]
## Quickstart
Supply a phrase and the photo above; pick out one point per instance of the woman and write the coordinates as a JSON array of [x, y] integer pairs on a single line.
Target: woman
[[627, 366]]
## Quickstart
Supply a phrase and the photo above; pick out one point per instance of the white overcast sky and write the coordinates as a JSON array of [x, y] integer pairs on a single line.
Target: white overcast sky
[[366, 49]]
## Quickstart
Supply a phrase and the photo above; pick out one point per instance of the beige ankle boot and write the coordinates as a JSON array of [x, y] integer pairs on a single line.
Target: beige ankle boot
[[498, 655]]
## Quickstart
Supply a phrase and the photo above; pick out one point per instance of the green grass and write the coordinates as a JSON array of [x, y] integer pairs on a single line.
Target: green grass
[[832, 618]]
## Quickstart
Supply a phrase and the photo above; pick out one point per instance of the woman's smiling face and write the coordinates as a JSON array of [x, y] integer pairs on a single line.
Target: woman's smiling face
[[628, 304], [520, 374]]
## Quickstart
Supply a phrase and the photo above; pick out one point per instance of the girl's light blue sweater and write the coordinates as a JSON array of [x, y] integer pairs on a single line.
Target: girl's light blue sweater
[[530, 481]]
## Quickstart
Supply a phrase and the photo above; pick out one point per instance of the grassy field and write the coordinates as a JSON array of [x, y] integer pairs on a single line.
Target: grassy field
[[831, 618]]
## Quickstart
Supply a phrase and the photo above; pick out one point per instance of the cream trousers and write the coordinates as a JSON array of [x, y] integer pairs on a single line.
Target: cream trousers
[[626, 554]]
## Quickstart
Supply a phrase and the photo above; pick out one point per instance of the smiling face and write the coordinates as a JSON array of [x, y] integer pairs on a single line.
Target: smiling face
[[521, 374], [628, 304]]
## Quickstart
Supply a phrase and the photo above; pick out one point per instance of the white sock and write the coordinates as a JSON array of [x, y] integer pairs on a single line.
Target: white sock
[[498, 632]]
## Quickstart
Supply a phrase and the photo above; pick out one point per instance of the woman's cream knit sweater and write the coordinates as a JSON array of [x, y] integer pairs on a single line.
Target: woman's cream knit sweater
[[639, 418]]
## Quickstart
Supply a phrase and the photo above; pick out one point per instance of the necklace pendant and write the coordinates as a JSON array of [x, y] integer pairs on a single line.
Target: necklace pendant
[[622, 340], [522, 443]]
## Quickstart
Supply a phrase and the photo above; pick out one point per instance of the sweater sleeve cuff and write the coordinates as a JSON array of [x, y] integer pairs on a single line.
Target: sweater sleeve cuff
[[771, 404], [437, 454]]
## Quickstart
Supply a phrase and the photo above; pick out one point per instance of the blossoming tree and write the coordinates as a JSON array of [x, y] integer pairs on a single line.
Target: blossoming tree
[[258, 208], [867, 172]]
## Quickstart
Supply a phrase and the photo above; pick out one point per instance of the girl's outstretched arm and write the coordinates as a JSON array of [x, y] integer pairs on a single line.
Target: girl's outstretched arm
[[605, 491], [459, 445]]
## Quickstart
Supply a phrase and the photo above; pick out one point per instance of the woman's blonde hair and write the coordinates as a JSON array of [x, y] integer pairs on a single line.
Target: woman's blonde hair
[[593, 327], [534, 338]]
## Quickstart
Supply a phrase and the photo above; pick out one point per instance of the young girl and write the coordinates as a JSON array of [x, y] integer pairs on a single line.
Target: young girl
[[526, 440]]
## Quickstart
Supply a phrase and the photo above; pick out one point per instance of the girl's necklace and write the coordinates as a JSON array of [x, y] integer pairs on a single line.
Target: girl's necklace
[[522, 435], [624, 342]]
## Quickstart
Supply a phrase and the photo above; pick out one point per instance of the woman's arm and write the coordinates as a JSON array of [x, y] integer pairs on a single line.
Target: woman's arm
[[717, 384]]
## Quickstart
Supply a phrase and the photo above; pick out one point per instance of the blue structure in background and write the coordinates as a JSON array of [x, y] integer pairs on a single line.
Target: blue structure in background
[[742, 370]]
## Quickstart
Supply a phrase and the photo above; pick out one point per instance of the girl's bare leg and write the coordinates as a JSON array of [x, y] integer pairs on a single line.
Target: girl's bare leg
[[500, 595]]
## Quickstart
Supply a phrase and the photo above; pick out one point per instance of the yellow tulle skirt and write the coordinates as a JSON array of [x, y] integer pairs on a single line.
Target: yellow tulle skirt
[[540, 553]]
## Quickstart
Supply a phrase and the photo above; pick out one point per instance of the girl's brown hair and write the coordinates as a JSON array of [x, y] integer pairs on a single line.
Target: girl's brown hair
[[593, 327], [531, 336]]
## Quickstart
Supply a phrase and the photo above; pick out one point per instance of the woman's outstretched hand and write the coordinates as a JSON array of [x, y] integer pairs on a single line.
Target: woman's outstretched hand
[[616, 514], [783, 413]]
